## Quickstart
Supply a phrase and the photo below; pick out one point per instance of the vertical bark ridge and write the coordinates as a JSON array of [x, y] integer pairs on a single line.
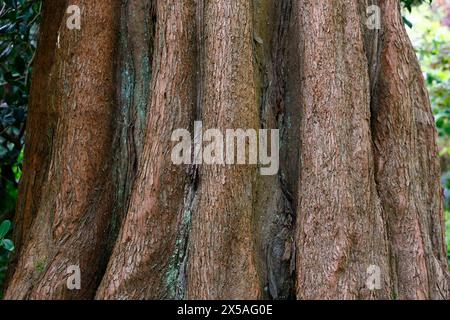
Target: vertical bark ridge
[[41, 123], [70, 227], [373, 45], [221, 257], [407, 167], [148, 238], [340, 230]]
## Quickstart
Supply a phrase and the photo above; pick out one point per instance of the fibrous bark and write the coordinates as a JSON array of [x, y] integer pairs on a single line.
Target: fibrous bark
[[147, 248], [358, 184], [75, 192], [407, 168], [340, 226]]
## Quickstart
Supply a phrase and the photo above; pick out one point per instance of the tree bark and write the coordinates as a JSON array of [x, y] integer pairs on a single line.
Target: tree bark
[[221, 256], [340, 227], [75, 199], [407, 168], [358, 184], [147, 248]]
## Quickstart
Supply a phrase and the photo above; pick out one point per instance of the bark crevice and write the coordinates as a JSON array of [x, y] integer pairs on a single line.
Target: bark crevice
[[274, 225]]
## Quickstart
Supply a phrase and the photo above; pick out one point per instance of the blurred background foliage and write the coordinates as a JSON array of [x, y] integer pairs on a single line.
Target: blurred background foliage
[[428, 27]]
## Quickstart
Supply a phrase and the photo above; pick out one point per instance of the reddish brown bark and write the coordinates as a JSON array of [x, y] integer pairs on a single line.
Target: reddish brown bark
[[41, 122], [75, 203], [358, 184], [340, 227], [221, 256], [407, 168]]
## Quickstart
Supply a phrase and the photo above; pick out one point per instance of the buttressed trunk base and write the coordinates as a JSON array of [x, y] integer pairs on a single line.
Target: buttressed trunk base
[[354, 212]]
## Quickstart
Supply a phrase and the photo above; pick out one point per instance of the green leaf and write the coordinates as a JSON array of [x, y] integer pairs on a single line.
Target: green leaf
[[8, 244], [4, 228], [407, 22]]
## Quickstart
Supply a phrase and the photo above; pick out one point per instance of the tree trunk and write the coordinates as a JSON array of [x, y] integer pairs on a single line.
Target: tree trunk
[[340, 226], [407, 168], [358, 182]]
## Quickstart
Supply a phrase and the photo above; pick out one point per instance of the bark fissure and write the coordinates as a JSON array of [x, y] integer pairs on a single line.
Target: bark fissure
[[177, 272], [274, 226], [137, 33]]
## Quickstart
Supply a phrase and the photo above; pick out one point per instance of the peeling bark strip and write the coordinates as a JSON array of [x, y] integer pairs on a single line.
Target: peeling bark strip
[[70, 227], [407, 168], [358, 186], [149, 233]]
